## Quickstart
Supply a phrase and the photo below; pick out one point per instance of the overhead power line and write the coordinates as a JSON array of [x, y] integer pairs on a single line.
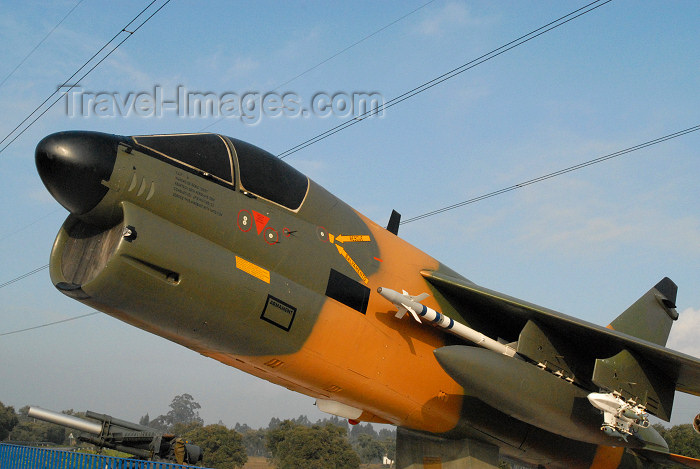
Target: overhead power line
[[40, 42], [338, 53], [552, 25], [23, 276], [356, 43], [49, 324], [451, 74], [15, 231], [554, 174], [278, 86], [69, 84]]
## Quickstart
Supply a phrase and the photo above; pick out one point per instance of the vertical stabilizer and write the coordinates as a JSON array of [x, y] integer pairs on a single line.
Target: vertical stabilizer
[[650, 317]]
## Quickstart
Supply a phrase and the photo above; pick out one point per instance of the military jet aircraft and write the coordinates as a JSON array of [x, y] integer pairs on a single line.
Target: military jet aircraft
[[219, 246]]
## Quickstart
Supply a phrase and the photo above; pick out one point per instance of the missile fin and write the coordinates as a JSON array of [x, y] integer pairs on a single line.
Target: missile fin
[[401, 312], [410, 310], [420, 297]]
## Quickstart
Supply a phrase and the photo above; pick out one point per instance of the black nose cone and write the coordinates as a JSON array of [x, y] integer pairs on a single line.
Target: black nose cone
[[73, 164]]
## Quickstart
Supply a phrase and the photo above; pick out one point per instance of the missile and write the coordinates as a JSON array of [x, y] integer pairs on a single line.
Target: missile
[[621, 418], [411, 304], [610, 431]]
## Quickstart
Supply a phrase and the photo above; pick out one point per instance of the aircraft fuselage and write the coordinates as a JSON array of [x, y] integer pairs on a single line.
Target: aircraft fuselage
[[221, 247]]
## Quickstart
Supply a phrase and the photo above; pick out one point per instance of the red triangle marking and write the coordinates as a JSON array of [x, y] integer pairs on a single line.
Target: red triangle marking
[[260, 221]]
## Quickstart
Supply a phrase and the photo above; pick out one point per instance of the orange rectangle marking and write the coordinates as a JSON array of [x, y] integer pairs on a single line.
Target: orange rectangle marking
[[252, 269]]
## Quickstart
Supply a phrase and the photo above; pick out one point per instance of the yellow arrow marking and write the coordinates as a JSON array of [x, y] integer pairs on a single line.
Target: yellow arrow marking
[[352, 238], [354, 266]]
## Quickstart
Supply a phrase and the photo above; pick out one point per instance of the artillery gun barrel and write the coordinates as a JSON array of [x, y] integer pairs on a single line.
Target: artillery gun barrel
[[113, 421], [109, 432], [65, 420]]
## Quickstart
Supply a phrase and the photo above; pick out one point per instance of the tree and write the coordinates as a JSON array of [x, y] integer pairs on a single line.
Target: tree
[[303, 420], [223, 448], [389, 443], [274, 423], [242, 428], [8, 420], [254, 442], [182, 429], [388, 439], [183, 409], [160, 423], [277, 433], [362, 429], [29, 430], [337, 421], [145, 420], [317, 447], [681, 439], [369, 449]]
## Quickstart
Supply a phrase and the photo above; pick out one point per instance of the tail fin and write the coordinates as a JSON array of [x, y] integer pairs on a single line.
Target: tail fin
[[650, 318]]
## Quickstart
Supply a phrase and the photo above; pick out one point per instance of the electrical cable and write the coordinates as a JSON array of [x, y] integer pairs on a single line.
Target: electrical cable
[[32, 223], [276, 88], [451, 74], [49, 324], [336, 54], [355, 43], [23, 276], [554, 174], [40, 43], [409, 94], [529, 182], [71, 86]]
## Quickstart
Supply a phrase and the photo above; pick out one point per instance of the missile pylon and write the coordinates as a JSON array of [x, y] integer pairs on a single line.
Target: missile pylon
[[411, 304]]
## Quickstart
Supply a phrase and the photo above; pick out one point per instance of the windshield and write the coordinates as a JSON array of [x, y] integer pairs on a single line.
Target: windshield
[[207, 153]]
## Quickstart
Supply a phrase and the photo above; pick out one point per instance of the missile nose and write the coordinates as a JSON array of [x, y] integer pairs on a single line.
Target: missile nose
[[73, 164]]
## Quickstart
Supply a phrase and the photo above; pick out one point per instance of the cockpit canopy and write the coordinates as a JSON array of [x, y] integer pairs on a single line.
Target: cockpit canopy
[[213, 155]]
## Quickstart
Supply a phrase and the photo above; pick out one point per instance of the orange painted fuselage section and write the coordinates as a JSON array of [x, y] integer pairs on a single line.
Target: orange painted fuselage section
[[374, 361]]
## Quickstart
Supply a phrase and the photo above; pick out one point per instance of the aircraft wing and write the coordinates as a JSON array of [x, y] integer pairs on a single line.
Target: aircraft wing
[[508, 318], [668, 459]]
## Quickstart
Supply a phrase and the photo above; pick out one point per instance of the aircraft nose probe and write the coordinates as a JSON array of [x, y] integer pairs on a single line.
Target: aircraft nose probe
[[73, 164]]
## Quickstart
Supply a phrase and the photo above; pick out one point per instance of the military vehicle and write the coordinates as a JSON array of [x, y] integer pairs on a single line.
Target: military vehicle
[[105, 431]]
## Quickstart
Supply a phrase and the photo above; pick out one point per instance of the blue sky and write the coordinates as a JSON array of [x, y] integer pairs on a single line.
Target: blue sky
[[587, 243]]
